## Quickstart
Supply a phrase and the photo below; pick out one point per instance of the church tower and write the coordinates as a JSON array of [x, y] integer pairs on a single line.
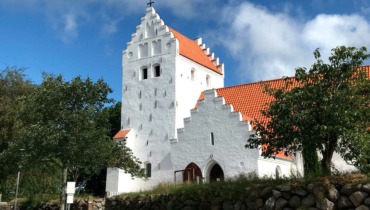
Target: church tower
[[164, 73]]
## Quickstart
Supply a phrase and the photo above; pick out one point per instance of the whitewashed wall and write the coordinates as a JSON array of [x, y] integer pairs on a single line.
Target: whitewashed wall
[[230, 136], [188, 90], [151, 106]]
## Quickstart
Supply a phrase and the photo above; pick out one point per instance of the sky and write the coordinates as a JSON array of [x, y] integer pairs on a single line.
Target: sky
[[256, 40]]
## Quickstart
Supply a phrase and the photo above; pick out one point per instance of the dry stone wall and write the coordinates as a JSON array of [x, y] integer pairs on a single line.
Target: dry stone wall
[[284, 197], [312, 196]]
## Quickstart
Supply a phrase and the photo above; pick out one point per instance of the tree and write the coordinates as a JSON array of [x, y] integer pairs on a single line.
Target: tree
[[64, 124], [323, 109], [13, 86], [95, 183], [114, 113]]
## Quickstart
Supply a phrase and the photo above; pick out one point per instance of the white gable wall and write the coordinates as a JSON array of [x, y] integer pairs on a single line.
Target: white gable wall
[[151, 107], [188, 90], [230, 136], [148, 104]]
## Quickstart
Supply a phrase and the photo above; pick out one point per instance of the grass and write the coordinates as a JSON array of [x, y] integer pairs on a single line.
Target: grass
[[235, 185], [250, 181]]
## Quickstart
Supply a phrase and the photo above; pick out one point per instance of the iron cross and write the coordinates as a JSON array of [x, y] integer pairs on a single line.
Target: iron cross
[[150, 3]]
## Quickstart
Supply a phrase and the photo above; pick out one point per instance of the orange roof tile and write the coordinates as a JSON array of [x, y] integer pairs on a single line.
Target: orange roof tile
[[191, 50], [250, 99], [121, 134]]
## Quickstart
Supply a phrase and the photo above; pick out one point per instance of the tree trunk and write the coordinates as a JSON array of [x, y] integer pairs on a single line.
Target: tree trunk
[[311, 165], [63, 191], [326, 166], [327, 155]]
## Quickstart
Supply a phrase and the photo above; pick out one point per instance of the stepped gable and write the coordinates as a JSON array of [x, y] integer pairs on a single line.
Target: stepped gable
[[121, 134], [249, 99], [197, 53]]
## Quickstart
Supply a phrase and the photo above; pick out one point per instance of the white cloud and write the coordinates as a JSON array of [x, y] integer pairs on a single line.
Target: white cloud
[[69, 30], [270, 45]]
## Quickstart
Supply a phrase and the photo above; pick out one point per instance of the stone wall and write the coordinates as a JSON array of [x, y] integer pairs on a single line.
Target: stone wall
[[79, 204], [326, 194], [311, 196]]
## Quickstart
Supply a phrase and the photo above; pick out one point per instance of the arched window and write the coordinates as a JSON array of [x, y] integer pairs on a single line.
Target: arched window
[[192, 74], [148, 170], [208, 81]]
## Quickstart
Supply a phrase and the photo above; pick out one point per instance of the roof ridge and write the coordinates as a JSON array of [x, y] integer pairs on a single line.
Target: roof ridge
[[252, 83], [198, 55], [272, 80]]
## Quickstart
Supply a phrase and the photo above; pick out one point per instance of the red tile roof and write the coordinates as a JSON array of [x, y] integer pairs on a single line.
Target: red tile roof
[[250, 99], [121, 134], [191, 50]]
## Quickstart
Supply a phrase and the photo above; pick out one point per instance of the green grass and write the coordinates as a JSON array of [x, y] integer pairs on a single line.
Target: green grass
[[250, 181], [234, 185]]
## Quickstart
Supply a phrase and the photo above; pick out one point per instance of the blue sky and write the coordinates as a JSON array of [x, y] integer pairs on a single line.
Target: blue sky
[[257, 39]]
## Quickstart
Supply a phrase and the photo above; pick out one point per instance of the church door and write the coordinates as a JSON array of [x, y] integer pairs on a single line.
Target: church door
[[216, 174], [192, 173]]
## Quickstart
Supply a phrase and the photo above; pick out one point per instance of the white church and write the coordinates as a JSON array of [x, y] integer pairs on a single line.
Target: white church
[[180, 120]]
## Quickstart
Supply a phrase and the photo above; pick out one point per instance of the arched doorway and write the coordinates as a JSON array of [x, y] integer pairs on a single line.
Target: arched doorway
[[216, 174], [192, 173]]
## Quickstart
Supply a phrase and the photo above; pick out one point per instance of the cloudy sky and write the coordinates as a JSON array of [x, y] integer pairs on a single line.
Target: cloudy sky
[[256, 39]]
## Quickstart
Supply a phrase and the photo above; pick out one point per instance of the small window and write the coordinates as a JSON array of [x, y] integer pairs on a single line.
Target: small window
[[157, 71], [141, 106], [193, 74], [208, 81], [140, 94], [212, 139], [144, 73], [155, 92], [155, 104], [148, 170], [150, 118]]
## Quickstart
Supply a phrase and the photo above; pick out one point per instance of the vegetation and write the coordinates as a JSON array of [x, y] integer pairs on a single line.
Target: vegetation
[[13, 86], [63, 128], [248, 182], [325, 109]]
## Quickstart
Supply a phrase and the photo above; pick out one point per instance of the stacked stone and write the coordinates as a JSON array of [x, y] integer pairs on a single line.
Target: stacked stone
[[284, 197], [79, 204]]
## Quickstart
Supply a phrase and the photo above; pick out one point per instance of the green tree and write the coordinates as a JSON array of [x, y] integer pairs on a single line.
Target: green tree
[[95, 183], [64, 124], [325, 109], [114, 113], [13, 86]]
